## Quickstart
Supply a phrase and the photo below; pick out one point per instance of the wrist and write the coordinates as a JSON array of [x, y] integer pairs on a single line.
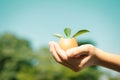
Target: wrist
[[93, 52], [100, 56]]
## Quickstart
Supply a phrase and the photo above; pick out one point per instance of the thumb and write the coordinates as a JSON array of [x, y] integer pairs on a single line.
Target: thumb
[[77, 51]]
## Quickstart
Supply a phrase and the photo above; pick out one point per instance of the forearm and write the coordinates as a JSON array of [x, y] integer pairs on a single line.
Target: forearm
[[108, 60]]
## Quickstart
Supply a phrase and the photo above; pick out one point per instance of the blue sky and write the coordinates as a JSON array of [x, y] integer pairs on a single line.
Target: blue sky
[[38, 20]]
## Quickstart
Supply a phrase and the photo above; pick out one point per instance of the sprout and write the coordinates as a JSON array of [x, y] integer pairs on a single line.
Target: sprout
[[67, 32]]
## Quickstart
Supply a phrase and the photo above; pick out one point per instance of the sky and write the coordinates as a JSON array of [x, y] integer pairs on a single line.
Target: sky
[[38, 20]]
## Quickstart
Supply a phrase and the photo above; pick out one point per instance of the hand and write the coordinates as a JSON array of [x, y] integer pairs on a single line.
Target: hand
[[75, 58]]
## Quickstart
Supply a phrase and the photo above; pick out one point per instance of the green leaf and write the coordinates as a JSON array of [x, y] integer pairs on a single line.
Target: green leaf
[[67, 31], [58, 35], [80, 32]]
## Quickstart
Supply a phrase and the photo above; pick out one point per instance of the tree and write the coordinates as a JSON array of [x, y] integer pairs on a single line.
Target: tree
[[14, 54]]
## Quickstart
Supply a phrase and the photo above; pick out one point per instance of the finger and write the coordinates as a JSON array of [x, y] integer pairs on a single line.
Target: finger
[[85, 63], [51, 46], [53, 52], [77, 51], [54, 45], [65, 61], [61, 53]]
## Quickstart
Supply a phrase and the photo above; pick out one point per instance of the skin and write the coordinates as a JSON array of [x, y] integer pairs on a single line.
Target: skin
[[83, 56]]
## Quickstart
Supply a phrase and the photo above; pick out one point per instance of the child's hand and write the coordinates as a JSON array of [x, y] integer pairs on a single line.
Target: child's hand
[[75, 58]]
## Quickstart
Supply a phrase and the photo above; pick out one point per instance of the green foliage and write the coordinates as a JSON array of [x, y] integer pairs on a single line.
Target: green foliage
[[80, 32], [14, 54], [67, 32], [58, 35]]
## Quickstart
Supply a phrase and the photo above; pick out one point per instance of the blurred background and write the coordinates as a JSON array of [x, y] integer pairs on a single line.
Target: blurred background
[[26, 27]]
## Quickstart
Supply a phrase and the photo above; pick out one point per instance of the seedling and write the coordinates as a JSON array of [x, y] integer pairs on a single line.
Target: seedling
[[68, 41]]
